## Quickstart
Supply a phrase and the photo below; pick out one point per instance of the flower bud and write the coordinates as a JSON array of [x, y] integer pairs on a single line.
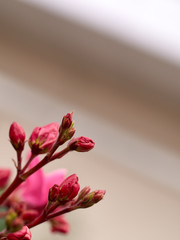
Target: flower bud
[[17, 136], [10, 217], [29, 215], [4, 177], [68, 189], [81, 144], [43, 138], [67, 121], [16, 224], [23, 234], [53, 193], [92, 198], [83, 193], [59, 224]]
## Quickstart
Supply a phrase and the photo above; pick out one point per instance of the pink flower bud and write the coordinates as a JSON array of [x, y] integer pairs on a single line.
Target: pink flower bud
[[92, 198], [69, 188], [83, 193], [17, 136], [29, 215], [67, 121], [53, 193], [43, 138], [23, 234], [81, 144], [4, 177], [16, 224], [59, 224], [66, 135]]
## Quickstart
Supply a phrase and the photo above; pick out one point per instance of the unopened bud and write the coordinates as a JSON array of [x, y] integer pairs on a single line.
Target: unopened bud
[[92, 198], [17, 136], [67, 121], [83, 193], [53, 193], [81, 144], [16, 224], [10, 217], [66, 130], [23, 234], [69, 189], [4, 177], [43, 138]]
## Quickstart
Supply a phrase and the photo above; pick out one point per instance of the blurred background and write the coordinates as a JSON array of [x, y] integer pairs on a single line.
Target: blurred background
[[117, 65]]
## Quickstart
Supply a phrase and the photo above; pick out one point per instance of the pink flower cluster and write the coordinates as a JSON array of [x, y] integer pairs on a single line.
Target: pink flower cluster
[[35, 197]]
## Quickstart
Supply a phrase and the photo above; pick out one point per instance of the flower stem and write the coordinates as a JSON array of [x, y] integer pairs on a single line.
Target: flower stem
[[17, 181], [32, 156], [44, 217], [43, 162], [21, 176], [19, 160]]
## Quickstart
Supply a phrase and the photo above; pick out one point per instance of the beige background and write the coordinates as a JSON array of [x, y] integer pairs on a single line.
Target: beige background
[[134, 122]]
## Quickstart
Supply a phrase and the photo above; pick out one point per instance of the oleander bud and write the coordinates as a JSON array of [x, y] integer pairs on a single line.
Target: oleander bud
[[68, 189], [17, 136], [67, 121], [81, 144], [91, 198], [53, 193], [23, 234], [43, 138], [83, 193], [16, 224]]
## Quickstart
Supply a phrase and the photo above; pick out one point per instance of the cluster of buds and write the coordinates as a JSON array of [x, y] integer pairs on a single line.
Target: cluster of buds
[[24, 211]]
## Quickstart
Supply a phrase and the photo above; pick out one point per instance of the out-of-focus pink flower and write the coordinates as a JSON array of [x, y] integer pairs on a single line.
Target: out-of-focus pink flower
[[23, 234], [36, 187], [59, 224], [69, 188], [43, 138], [81, 144], [17, 136], [4, 176]]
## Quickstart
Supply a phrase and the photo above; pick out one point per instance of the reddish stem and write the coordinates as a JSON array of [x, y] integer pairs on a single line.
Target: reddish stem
[[19, 160], [20, 177], [17, 181], [44, 217], [32, 156], [42, 163]]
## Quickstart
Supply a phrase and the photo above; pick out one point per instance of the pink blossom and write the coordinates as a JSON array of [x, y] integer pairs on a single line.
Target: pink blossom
[[23, 234], [43, 138], [36, 187], [4, 176], [17, 136], [81, 144]]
